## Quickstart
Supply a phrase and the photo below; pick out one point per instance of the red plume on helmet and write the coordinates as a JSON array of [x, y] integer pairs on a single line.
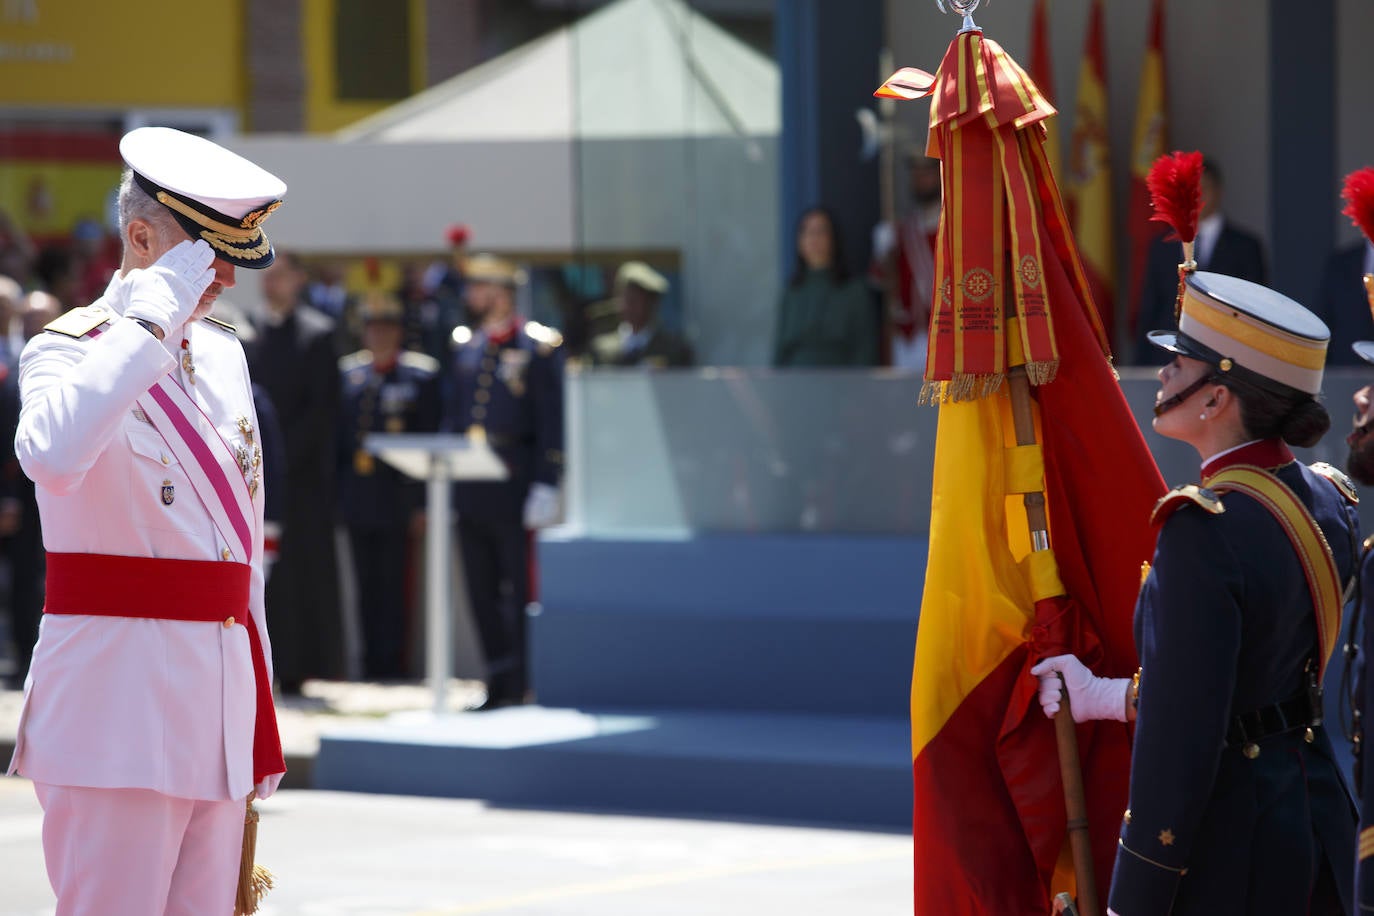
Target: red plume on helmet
[[458, 234], [1358, 194], [1175, 183]]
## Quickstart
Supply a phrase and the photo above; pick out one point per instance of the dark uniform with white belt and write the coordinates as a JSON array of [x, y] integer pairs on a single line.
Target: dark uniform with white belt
[[385, 390], [505, 384]]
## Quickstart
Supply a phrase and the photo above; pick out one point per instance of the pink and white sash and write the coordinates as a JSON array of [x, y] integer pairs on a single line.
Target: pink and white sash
[[207, 460]]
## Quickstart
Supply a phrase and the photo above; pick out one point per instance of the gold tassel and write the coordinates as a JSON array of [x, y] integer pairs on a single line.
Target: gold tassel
[[254, 880]]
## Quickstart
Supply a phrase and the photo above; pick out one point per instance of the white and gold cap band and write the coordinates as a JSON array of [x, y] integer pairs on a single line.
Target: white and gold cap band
[[1242, 327]]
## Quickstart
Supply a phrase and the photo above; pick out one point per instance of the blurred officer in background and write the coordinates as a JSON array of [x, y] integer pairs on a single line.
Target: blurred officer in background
[[640, 340], [385, 390], [506, 385], [294, 358]]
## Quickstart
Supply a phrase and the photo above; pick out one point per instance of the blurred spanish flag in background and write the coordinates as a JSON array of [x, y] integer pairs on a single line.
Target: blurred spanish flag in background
[[1090, 172], [1012, 299], [1150, 141], [1042, 72]]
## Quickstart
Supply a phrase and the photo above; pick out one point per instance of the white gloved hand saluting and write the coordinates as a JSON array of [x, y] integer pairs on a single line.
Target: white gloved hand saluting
[[168, 292], [1090, 697], [543, 507]]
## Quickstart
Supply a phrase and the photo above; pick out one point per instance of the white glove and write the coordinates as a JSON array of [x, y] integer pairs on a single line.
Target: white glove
[[1090, 697], [168, 292], [543, 507]]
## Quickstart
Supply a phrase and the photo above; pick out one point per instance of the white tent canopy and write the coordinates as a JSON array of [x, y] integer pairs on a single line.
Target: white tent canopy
[[640, 127], [635, 69]]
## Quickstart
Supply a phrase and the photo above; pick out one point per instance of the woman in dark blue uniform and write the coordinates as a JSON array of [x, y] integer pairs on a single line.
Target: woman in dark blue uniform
[[1236, 801]]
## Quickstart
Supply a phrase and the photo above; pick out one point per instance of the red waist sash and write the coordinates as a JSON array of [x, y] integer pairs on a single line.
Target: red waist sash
[[104, 585]]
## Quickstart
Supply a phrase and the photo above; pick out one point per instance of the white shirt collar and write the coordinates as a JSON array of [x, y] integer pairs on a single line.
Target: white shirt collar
[[1234, 448], [634, 340], [1208, 230]]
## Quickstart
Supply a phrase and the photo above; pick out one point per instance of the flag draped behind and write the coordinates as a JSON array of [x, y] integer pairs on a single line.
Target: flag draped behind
[[1090, 171], [989, 821], [1150, 141]]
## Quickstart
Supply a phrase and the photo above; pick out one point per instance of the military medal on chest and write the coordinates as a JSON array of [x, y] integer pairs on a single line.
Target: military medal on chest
[[363, 463], [512, 370], [169, 493], [249, 456], [188, 365]]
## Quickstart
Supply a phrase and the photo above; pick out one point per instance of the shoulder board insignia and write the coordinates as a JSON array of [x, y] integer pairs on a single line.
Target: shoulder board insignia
[[355, 360], [78, 322], [1175, 499], [1340, 479], [422, 361], [542, 334], [462, 335], [223, 325]]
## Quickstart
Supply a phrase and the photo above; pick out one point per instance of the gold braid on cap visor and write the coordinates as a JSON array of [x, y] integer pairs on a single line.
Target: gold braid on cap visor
[[223, 236]]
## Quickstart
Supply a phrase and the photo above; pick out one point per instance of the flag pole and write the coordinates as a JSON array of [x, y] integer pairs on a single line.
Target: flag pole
[[1065, 733]]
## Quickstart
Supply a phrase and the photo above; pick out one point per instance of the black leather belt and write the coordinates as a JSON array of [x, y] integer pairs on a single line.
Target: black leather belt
[[1300, 711]]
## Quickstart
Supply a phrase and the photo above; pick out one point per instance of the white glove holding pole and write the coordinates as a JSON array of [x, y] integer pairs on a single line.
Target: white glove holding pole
[[543, 506], [1090, 697], [167, 293]]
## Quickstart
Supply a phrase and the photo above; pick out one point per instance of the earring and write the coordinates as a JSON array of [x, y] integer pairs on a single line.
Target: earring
[[1202, 416]]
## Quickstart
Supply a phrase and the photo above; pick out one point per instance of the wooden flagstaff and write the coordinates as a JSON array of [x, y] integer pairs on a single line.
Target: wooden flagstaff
[[1065, 731]]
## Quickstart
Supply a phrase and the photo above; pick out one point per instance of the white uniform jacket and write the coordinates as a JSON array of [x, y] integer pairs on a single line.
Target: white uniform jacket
[[117, 702]]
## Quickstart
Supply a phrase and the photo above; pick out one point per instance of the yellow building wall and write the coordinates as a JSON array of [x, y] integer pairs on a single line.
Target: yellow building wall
[[112, 54], [324, 111]]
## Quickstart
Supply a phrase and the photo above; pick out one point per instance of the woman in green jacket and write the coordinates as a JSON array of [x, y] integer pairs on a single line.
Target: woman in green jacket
[[825, 317]]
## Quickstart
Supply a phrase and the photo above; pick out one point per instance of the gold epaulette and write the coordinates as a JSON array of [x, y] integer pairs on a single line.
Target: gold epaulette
[[422, 361], [545, 336], [1181, 496], [78, 322], [355, 360], [1340, 479], [222, 325]]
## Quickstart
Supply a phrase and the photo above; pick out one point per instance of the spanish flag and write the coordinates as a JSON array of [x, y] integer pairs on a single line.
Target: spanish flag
[[1090, 172], [989, 823], [1151, 140], [1042, 72]]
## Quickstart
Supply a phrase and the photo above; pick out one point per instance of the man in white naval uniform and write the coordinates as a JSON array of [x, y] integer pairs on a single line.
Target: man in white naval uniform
[[148, 718]]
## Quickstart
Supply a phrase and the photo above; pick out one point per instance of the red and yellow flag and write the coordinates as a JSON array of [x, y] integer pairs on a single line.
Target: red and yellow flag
[[1090, 172], [1150, 141], [989, 823], [1042, 73]]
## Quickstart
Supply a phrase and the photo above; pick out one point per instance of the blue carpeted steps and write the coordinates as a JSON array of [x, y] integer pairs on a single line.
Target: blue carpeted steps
[[754, 676]]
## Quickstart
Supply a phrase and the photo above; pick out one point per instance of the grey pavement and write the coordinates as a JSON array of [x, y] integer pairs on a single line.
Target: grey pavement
[[340, 854]]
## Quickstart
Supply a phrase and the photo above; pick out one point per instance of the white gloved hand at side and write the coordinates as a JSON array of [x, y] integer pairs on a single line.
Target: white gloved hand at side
[[168, 292], [1090, 697], [543, 506]]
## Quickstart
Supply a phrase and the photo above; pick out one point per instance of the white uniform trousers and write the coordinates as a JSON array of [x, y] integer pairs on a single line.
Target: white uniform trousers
[[135, 852]]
